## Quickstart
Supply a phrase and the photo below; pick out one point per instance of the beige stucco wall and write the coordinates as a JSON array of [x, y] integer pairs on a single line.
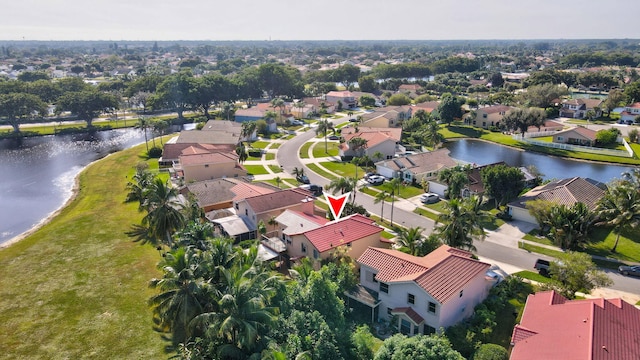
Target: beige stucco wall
[[212, 171]]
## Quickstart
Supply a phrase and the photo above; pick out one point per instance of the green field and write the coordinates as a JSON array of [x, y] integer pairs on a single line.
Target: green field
[[332, 149], [78, 287], [256, 169], [304, 150]]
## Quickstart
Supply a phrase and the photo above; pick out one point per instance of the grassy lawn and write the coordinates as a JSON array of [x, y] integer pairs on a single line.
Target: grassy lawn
[[259, 144], [304, 150], [532, 275], [256, 169], [540, 250], [426, 213], [387, 235], [369, 190], [282, 183], [344, 169], [275, 168], [275, 145], [405, 191], [318, 149], [315, 168], [602, 242], [269, 156], [78, 287], [254, 158], [531, 236]]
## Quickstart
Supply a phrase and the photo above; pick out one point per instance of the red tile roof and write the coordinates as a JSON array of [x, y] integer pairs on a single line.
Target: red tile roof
[[441, 273], [208, 158], [342, 232], [635, 105], [411, 314], [277, 200], [553, 327]]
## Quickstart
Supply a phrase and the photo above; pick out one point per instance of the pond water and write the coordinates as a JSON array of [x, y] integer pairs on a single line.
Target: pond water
[[482, 153], [36, 178]]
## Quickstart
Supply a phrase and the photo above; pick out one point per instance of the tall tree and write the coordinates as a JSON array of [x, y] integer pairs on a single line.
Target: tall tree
[[323, 128], [163, 211], [177, 93], [450, 108], [461, 222], [358, 145], [570, 226], [522, 118], [87, 105], [456, 179], [576, 272], [380, 198], [18, 107], [410, 239], [502, 183]]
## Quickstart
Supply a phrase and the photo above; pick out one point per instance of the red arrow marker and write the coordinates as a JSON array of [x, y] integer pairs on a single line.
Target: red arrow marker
[[336, 204]]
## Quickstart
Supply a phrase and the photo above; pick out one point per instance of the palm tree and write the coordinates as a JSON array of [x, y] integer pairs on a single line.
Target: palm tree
[[163, 211], [278, 181], [432, 135], [380, 197], [298, 173], [262, 228], [620, 209], [160, 127], [241, 151], [357, 145], [410, 239], [460, 223], [196, 234], [300, 105], [139, 185], [323, 128], [341, 184], [279, 103], [182, 296], [143, 124], [456, 178], [570, 226], [248, 128], [272, 221]]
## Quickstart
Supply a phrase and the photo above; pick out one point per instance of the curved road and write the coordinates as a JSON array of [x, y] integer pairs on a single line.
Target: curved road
[[287, 157]]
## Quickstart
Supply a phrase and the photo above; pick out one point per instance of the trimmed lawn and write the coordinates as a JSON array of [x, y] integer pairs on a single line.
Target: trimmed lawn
[[332, 148], [531, 275], [344, 169], [602, 242], [275, 168], [315, 168], [304, 150], [531, 236], [275, 145], [78, 286], [254, 158], [540, 250], [387, 235], [405, 191], [269, 156], [426, 213], [260, 144], [283, 185], [256, 169], [505, 319]]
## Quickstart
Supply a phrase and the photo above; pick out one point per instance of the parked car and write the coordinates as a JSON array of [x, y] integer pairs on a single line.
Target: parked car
[[334, 137], [376, 180], [316, 190], [543, 267], [630, 270], [429, 198], [368, 175], [303, 179]]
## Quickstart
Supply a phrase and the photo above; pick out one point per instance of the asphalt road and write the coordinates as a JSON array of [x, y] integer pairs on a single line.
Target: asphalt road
[[287, 157]]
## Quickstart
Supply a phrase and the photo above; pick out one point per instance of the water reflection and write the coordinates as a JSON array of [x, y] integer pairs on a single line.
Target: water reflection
[[482, 153], [36, 176]]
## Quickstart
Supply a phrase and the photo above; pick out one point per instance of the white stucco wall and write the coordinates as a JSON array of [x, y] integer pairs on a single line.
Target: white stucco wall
[[521, 215]]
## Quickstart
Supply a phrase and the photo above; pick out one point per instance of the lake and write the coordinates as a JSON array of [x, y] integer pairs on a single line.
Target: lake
[[482, 153], [37, 177]]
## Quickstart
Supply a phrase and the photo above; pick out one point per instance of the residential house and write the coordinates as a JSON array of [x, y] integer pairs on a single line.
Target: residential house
[[577, 108], [387, 117], [411, 90], [250, 114], [383, 140], [216, 135], [173, 150], [566, 192], [356, 233], [317, 104], [415, 168], [197, 164], [253, 209], [347, 99], [490, 116], [427, 106], [554, 328], [630, 112], [425, 293], [548, 125], [474, 186], [219, 194], [576, 136]]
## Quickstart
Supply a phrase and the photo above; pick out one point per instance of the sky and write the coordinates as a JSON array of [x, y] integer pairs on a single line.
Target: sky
[[317, 20]]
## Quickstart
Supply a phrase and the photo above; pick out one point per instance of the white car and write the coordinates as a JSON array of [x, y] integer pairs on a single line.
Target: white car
[[375, 179], [429, 198]]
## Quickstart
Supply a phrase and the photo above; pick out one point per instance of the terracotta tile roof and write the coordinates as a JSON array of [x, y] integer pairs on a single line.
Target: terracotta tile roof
[[341, 232], [441, 273], [427, 106], [635, 105], [340, 93], [582, 131], [277, 200], [393, 133], [173, 151], [553, 327], [495, 109], [566, 192], [252, 112], [210, 192], [208, 137], [411, 314]]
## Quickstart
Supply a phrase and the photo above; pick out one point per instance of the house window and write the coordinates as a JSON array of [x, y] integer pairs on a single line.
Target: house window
[[246, 212], [484, 116], [237, 206], [315, 254], [389, 312], [484, 123], [461, 291], [432, 307], [411, 299], [474, 122], [206, 165], [303, 247], [384, 287], [405, 327], [428, 330], [560, 138]]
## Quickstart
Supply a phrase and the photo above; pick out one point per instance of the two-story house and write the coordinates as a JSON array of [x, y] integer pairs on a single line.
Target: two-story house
[[424, 293], [414, 168], [630, 112], [577, 108], [489, 116], [382, 140], [347, 99], [196, 164], [356, 233], [387, 117]]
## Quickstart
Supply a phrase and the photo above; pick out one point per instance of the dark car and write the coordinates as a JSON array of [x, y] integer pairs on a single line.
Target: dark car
[[303, 179], [316, 190], [334, 137], [630, 270]]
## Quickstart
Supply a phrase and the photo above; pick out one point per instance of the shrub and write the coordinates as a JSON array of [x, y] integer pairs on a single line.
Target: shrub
[[633, 135], [491, 352], [154, 152]]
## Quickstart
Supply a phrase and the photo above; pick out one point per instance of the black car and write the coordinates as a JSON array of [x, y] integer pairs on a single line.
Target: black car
[[303, 179], [630, 270], [334, 137]]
